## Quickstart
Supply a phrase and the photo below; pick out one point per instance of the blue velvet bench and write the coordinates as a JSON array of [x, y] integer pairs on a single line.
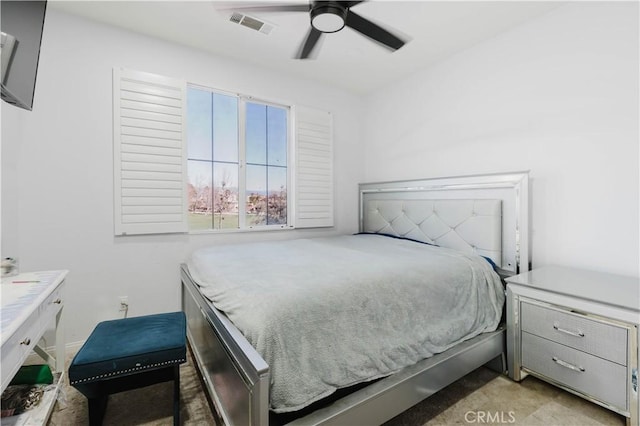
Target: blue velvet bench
[[130, 353]]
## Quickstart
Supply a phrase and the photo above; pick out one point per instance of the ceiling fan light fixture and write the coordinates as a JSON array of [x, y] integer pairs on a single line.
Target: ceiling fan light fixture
[[328, 18]]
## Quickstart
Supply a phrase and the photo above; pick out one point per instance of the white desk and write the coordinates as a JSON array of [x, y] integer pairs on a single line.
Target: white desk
[[30, 304]]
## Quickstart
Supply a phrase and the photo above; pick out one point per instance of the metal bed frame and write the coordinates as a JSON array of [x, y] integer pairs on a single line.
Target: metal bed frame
[[237, 378]]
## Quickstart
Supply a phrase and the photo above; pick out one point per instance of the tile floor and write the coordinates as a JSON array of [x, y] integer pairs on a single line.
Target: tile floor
[[482, 397], [531, 402]]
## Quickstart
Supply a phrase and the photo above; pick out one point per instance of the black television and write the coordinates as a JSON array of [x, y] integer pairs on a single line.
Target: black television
[[21, 25]]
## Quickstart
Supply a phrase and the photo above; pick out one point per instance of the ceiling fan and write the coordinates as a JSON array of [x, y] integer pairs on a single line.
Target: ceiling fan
[[330, 17]]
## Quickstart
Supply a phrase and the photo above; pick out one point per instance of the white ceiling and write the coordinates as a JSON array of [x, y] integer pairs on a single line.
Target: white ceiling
[[346, 59]]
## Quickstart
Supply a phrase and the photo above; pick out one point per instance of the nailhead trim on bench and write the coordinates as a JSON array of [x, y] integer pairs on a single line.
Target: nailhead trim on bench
[[116, 373]]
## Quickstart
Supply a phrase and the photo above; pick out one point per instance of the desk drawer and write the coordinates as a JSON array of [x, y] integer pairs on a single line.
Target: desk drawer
[[593, 376], [16, 349], [601, 339], [52, 304]]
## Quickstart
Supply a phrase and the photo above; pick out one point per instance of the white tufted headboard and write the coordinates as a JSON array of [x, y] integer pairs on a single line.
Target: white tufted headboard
[[487, 214], [465, 225]]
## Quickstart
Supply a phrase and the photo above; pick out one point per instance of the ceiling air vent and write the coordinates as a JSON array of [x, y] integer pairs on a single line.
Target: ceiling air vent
[[251, 22]]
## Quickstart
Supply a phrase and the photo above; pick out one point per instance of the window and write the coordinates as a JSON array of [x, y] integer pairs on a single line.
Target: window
[[189, 158], [237, 161]]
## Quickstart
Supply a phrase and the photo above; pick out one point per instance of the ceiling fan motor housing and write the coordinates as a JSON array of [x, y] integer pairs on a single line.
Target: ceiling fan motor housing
[[328, 16]]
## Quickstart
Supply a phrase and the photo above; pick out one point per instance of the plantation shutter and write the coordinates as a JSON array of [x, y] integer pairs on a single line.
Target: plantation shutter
[[313, 168], [149, 153]]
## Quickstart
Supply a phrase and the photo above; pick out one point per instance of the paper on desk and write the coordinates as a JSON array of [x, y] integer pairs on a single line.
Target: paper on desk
[[12, 292], [27, 276]]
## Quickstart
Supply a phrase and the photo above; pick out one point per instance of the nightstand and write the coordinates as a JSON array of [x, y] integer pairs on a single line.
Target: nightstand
[[578, 330]]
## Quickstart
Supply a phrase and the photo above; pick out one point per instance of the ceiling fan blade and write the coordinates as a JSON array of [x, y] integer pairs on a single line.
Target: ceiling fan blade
[[373, 31], [296, 7], [309, 43], [352, 3]]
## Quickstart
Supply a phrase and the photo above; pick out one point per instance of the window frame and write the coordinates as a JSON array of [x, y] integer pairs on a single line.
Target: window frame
[[242, 166]]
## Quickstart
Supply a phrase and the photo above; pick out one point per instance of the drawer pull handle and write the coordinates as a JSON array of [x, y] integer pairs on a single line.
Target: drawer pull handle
[[57, 301], [26, 341], [567, 365], [569, 332]]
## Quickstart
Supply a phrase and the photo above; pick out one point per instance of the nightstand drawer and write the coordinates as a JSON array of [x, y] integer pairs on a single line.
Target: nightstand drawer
[[597, 338], [588, 374]]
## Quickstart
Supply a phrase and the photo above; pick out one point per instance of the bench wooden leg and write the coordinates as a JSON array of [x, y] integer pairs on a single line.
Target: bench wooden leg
[[97, 407], [176, 395]]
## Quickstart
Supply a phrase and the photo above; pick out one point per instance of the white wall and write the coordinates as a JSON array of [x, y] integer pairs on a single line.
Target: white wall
[[557, 96], [11, 130], [57, 176]]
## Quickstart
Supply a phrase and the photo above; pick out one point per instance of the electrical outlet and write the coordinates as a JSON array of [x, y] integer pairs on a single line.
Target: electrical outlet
[[124, 303]]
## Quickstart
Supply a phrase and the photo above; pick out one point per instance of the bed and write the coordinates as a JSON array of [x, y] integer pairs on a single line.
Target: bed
[[453, 231]]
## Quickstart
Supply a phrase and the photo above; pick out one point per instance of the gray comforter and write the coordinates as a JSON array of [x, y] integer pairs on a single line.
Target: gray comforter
[[326, 313]]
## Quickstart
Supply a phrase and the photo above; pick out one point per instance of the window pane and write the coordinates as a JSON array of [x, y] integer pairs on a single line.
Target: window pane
[[277, 136], [277, 208], [200, 195], [198, 124], [225, 128], [256, 130], [214, 147], [256, 196], [225, 196]]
